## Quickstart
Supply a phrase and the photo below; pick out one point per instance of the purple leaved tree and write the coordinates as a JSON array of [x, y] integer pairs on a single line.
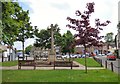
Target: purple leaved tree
[[86, 35]]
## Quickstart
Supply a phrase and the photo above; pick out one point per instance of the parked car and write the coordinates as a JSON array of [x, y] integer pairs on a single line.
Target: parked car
[[103, 54], [83, 56], [111, 57], [87, 55], [65, 56], [71, 56], [92, 54], [79, 55], [58, 56], [20, 54], [110, 53], [99, 55], [74, 56]]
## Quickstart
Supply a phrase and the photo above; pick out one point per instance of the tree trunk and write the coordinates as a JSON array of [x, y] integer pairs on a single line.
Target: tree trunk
[[85, 60], [23, 49], [108, 46], [2, 56], [9, 56], [69, 56]]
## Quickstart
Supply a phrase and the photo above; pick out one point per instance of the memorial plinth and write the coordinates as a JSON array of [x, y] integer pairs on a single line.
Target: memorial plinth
[[52, 57]]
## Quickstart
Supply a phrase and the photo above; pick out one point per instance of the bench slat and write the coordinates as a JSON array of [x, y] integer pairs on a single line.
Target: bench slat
[[63, 64]]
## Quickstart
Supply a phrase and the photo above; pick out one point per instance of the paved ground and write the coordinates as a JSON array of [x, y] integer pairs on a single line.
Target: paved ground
[[81, 67], [116, 64]]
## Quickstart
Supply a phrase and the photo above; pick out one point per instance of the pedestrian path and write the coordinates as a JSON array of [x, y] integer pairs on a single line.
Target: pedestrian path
[[81, 67]]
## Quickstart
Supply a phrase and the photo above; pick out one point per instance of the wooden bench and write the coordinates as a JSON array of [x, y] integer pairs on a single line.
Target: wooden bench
[[26, 63], [63, 64], [35, 62], [22, 62]]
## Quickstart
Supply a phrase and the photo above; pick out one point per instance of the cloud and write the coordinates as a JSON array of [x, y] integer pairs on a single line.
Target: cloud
[[46, 12], [51, 12], [63, 6], [26, 6], [28, 42]]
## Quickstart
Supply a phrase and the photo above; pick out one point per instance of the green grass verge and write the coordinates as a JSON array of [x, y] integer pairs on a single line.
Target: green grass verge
[[58, 76], [9, 63], [90, 62]]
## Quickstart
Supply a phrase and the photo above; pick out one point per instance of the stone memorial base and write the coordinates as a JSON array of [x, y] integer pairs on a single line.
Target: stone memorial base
[[51, 58]]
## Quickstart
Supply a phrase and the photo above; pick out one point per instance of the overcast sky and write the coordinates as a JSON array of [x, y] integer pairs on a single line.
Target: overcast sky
[[46, 12]]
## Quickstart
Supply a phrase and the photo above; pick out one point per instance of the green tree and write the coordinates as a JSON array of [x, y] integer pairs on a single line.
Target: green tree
[[15, 24], [10, 23], [0, 23], [118, 25], [0, 31], [118, 35], [109, 38], [43, 39], [26, 30], [28, 48], [67, 43]]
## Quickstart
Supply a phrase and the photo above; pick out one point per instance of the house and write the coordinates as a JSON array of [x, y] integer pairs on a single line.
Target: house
[[2, 47], [7, 53], [79, 49], [96, 49]]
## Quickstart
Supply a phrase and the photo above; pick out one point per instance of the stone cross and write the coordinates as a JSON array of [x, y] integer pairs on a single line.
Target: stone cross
[[52, 55], [52, 40]]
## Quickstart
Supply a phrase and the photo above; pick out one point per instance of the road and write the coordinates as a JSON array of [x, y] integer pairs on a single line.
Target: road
[[116, 64]]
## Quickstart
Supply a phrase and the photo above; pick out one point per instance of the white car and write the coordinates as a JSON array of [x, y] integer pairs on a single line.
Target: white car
[[21, 55], [109, 53], [83, 56], [65, 56], [99, 55], [103, 54], [78, 55], [73, 56]]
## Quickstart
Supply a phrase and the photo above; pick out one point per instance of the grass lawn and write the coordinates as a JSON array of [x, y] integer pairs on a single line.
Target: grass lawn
[[58, 76], [9, 63], [90, 62]]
